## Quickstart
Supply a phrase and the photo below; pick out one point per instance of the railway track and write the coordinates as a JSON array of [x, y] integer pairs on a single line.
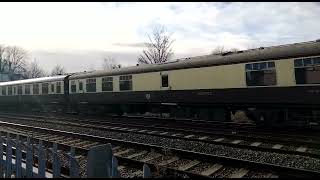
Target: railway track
[[286, 146], [139, 120], [227, 162], [163, 163], [226, 128]]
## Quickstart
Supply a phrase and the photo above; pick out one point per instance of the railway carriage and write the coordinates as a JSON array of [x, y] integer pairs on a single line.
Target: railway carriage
[[38, 93], [273, 85], [278, 84]]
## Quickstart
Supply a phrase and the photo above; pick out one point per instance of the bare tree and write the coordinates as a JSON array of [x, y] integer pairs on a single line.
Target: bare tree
[[234, 50], [253, 46], [92, 67], [218, 50], [33, 70], [158, 49], [2, 57], [109, 63], [221, 49], [58, 70], [15, 59]]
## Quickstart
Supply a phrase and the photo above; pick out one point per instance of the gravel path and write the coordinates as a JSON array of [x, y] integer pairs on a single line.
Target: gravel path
[[313, 150], [159, 159], [179, 163], [130, 173], [267, 145], [200, 167], [224, 172], [146, 156], [258, 174], [289, 148]]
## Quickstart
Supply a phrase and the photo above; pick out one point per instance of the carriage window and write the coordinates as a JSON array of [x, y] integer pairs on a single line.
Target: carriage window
[[52, 88], [271, 65], [80, 86], [164, 80], [307, 70], [307, 62], [107, 84], [14, 90], [9, 90], [298, 63], [125, 83], [4, 90], [19, 89], [261, 74], [91, 85], [45, 88], [27, 89], [35, 88], [73, 87], [316, 61], [58, 87]]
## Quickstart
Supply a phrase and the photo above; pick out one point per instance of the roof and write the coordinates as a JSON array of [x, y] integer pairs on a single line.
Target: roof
[[35, 80], [311, 48]]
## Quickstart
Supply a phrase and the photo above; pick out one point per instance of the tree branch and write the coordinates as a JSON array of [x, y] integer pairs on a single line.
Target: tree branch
[[158, 49]]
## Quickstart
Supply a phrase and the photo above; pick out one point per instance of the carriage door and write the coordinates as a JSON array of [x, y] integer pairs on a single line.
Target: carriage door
[[80, 83], [164, 84]]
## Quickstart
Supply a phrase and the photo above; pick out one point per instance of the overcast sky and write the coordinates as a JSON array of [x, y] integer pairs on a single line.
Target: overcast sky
[[78, 35]]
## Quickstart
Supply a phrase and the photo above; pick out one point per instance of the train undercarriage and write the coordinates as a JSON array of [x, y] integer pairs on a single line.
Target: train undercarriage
[[259, 115]]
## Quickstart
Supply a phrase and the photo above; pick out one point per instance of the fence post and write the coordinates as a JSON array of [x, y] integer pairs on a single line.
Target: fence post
[[114, 171], [74, 168], [29, 161], [18, 157], [109, 159], [146, 171], [1, 153], [99, 161], [8, 157], [56, 161], [41, 161]]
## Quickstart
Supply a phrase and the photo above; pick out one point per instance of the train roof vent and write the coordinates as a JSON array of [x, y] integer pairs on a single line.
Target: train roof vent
[[168, 62], [226, 53]]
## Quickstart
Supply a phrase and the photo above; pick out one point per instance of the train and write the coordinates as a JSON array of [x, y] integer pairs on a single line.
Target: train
[[276, 85]]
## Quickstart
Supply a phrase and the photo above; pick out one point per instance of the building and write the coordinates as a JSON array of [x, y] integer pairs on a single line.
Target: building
[[4, 77], [6, 73], [10, 77]]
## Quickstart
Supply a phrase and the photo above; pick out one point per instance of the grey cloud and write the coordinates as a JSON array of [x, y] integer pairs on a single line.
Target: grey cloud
[[130, 44], [263, 23], [78, 61], [255, 24], [116, 4]]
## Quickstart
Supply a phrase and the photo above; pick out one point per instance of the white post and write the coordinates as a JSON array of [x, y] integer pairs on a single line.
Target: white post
[[146, 171], [114, 171], [18, 157], [8, 157], [41, 161], [74, 168], [29, 162], [56, 161], [99, 161], [1, 153]]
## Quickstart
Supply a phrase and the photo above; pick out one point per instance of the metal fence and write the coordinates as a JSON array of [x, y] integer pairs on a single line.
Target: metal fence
[[18, 160]]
